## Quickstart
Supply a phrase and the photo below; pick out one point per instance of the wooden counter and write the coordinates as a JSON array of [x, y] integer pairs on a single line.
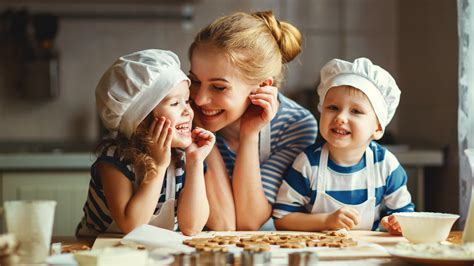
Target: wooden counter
[[363, 256]]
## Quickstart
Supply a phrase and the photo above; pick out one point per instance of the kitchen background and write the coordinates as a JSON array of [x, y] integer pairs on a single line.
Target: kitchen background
[[416, 41]]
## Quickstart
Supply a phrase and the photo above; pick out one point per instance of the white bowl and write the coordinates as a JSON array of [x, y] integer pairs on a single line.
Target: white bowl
[[425, 227]]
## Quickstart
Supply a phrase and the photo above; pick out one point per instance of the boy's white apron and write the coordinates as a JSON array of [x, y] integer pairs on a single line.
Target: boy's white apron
[[166, 217], [327, 204]]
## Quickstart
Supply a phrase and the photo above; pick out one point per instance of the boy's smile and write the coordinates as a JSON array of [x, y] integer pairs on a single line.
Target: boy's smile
[[340, 132]]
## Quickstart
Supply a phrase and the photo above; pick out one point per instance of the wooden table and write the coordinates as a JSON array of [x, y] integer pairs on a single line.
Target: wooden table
[[71, 243], [381, 238]]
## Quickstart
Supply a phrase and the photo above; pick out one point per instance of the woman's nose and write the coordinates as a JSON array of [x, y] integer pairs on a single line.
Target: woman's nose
[[199, 95]]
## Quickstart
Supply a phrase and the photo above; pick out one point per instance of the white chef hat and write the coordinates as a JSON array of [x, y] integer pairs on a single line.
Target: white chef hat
[[132, 87], [374, 81]]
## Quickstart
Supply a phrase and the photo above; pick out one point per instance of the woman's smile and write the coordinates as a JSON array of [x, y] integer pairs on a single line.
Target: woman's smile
[[210, 112]]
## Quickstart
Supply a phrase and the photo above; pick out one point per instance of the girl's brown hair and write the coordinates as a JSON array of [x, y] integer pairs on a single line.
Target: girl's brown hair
[[136, 151], [257, 44]]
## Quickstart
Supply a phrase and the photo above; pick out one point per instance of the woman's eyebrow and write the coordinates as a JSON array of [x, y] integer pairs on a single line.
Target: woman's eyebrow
[[211, 79], [219, 79]]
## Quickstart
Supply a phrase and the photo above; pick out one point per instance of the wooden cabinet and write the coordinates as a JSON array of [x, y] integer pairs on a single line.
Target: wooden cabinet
[[69, 189]]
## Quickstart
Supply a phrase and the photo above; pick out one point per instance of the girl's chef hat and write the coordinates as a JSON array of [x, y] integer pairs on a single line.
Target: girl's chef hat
[[134, 85], [374, 81]]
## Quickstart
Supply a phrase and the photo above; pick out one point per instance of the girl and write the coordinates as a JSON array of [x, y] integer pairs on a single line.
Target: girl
[[143, 99]]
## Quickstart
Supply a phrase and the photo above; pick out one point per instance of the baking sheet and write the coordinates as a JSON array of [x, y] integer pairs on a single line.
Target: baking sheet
[[154, 238]]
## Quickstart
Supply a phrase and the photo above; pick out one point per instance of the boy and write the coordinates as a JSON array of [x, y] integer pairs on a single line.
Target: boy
[[349, 180]]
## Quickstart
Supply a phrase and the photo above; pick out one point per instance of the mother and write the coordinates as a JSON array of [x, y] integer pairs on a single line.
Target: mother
[[236, 67]]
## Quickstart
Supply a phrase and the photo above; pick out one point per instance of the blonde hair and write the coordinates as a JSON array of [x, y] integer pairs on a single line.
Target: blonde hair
[[257, 44]]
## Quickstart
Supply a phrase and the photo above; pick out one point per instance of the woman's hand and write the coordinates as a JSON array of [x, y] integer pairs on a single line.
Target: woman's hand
[[345, 217], [263, 108], [202, 144], [391, 224], [161, 134]]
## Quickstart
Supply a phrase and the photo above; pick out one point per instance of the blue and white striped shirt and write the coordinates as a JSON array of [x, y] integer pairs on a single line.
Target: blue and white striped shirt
[[347, 184], [292, 129], [97, 217]]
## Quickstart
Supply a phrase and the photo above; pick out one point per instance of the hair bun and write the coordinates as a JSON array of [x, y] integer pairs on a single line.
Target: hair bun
[[272, 23], [286, 35]]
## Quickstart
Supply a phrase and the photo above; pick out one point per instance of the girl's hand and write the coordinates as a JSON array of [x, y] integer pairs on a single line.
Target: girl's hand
[[345, 217], [161, 134], [203, 141], [391, 224], [263, 108]]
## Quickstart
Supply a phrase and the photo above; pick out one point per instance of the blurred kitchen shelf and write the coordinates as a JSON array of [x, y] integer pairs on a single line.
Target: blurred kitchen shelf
[[417, 156], [181, 10], [46, 147], [34, 155], [46, 161]]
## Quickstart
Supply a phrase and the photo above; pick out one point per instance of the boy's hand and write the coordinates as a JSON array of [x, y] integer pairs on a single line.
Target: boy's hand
[[161, 135], [345, 217], [203, 141], [391, 224]]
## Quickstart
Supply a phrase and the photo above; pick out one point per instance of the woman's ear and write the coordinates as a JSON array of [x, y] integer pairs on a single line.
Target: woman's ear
[[267, 82], [378, 132]]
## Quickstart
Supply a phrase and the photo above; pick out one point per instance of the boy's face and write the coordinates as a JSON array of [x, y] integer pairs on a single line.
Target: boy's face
[[348, 120], [175, 106]]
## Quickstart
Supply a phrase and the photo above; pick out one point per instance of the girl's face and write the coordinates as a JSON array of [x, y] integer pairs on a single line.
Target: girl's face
[[348, 120], [175, 106], [219, 94]]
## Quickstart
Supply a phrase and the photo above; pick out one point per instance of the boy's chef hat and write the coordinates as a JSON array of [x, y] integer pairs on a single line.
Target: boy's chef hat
[[132, 87], [374, 81]]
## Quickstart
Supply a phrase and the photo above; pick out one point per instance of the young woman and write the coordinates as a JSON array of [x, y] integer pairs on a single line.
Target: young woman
[[236, 68]]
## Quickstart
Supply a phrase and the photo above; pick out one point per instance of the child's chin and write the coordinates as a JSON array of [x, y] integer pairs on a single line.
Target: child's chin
[[340, 143], [182, 143]]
